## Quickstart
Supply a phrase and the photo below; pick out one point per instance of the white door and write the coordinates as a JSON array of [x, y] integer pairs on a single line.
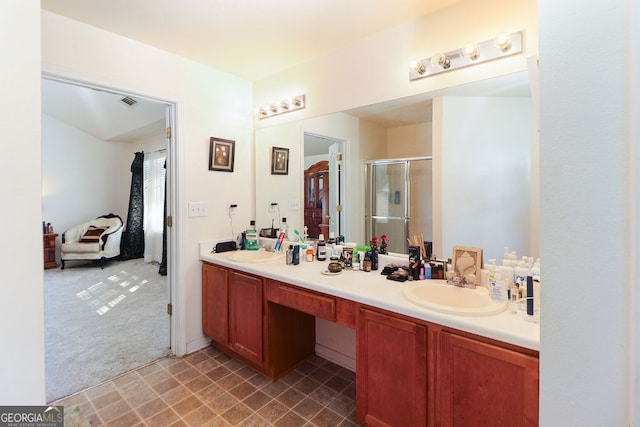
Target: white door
[[336, 192]]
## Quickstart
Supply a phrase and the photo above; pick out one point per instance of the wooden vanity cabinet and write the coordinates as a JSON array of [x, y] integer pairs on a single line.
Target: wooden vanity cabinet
[[479, 383], [414, 373], [391, 378], [409, 372], [215, 303], [245, 315], [232, 312]]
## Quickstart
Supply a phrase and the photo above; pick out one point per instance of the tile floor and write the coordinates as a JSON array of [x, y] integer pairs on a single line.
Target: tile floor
[[209, 388]]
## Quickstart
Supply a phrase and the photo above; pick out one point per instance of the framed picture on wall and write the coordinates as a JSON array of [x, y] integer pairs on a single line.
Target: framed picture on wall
[[279, 161], [221, 154]]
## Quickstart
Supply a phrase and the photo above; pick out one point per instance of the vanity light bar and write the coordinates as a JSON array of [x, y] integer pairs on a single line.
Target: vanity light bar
[[284, 106], [501, 46]]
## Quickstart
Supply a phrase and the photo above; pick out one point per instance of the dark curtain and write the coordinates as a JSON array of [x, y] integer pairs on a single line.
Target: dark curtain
[[163, 264], [132, 243]]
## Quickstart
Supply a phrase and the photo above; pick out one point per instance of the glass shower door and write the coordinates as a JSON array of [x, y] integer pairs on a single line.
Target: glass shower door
[[399, 200], [388, 203]]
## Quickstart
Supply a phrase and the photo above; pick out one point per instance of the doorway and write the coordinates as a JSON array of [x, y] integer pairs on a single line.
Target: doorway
[[323, 185], [100, 323]]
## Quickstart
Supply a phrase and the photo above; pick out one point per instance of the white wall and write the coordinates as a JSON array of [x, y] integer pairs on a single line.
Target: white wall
[[152, 142], [376, 68], [484, 148], [278, 188], [373, 141], [589, 203], [312, 160], [208, 103], [22, 378], [82, 177], [410, 140]]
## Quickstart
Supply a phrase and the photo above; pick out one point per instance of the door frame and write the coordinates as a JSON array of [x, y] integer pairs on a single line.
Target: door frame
[[177, 321]]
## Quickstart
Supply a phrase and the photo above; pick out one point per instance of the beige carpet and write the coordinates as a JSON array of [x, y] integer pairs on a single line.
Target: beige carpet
[[100, 323]]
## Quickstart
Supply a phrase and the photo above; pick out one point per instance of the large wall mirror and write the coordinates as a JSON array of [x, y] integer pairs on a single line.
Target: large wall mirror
[[484, 172]]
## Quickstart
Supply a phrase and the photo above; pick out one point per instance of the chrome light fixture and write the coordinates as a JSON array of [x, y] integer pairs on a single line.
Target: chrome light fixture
[[284, 106], [501, 46]]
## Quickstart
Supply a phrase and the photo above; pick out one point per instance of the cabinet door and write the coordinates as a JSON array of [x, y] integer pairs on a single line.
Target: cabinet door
[[245, 315], [391, 379], [215, 297], [480, 384]]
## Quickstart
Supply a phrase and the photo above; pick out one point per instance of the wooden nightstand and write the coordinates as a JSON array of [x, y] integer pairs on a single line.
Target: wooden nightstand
[[50, 250]]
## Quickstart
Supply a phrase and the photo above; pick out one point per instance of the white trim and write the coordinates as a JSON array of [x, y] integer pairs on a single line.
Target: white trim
[[177, 322], [198, 344], [336, 357]]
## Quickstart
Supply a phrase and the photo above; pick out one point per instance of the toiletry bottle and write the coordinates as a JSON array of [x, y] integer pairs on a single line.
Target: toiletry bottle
[[374, 253], [289, 255], [427, 270], [498, 287], [366, 262], [296, 254], [252, 237], [356, 260], [285, 228], [322, 248], [521, 271], [491, 276], [529, 295]]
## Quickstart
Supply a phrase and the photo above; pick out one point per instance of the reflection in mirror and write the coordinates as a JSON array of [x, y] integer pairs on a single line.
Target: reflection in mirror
[[484, 169], [399, 201], [322, 186]]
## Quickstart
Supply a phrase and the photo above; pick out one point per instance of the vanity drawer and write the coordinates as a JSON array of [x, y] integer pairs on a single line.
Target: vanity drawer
[[302, 300]]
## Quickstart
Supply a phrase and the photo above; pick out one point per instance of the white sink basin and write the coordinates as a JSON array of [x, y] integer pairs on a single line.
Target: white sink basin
[[255, 256], [439, 296]]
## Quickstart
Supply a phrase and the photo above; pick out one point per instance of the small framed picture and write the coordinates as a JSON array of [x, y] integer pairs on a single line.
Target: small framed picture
[[467, 261], [221, 154], [279, 161]]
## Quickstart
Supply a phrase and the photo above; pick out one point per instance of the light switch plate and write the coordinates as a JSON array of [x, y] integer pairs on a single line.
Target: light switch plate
[[198, 209], [294, 204]]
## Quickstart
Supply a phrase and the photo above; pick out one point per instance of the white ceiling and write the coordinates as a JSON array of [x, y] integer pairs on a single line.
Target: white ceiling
[[102, 114], [247, 38]]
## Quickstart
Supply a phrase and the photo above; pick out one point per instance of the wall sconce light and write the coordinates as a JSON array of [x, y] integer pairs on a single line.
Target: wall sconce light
[[501, 46], [284, 106]]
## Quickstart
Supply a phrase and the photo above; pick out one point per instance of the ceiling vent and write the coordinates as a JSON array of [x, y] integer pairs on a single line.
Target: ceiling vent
[[129, 101]]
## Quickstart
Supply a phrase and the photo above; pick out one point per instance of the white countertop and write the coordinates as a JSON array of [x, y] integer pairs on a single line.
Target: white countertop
[[374, 289]]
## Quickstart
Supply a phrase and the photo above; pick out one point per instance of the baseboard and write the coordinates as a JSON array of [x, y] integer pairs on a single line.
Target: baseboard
[[198, 344], [336, 357]]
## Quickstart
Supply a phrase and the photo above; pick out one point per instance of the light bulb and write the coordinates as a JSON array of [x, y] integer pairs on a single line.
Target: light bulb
[[470, 50], [440, 60], [418, 67], [502, 41]]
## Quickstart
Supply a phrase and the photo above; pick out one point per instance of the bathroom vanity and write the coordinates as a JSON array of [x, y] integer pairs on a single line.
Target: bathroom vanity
[[414, 366]]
